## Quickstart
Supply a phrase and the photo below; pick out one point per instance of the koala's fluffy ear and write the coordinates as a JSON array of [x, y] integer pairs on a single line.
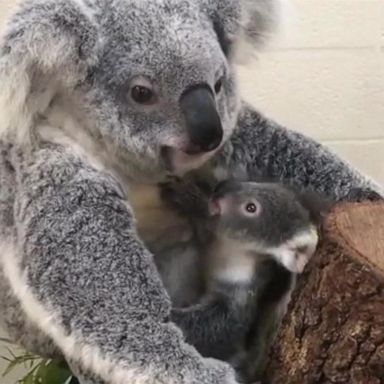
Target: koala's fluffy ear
[[48, 44], [317, 205], [240, 23]]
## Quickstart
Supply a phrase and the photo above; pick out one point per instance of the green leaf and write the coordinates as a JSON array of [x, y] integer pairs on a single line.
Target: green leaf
[[10, 352], [40, 371], [56, 373], [28, 379], [11, 366], [4, 340]]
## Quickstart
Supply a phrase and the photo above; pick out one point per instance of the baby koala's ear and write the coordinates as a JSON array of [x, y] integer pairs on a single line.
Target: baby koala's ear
[[317, 205], [361, 194]]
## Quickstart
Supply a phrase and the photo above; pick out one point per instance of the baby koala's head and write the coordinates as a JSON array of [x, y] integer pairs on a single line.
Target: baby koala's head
[[267, 219]]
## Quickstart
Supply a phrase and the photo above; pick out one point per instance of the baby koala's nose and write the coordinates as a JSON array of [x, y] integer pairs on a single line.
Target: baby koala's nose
[[219, 206]]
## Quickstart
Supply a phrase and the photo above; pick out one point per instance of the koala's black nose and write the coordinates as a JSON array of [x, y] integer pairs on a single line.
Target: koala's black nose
[[202, 119]]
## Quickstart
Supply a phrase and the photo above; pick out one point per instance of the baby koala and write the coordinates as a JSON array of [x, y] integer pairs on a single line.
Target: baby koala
[[249, 222], [241, 223], [248, 230]]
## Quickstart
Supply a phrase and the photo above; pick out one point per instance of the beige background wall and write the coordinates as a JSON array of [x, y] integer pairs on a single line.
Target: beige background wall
[[326, 79]]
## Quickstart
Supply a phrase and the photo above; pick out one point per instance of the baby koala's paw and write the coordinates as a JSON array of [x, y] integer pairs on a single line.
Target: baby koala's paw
[[296, 252]]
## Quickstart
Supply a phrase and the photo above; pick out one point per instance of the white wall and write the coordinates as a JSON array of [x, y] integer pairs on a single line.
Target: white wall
[[6, 7], [326, 80]]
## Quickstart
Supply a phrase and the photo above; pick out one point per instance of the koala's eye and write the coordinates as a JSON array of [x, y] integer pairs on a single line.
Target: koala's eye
[[142, 90], [251, 208], [219, 85], [142, 95]]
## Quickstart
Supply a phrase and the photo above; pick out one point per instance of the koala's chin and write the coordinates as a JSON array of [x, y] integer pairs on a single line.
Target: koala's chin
[[154, 170], [178, 162]]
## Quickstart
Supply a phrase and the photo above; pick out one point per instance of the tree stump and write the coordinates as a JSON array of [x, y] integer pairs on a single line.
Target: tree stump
[[334, 329]]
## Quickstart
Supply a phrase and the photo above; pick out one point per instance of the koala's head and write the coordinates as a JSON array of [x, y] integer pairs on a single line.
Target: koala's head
[[267, 219], [153, 80]]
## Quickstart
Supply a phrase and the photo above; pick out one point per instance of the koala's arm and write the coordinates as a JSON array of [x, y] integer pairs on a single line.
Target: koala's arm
[[84, 277], [260, 148], [217, 325], [220, 323]]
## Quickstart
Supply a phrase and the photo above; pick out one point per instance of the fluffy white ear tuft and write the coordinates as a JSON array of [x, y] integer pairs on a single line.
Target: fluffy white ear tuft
[[260, 21], [244, 26], [48, 45]]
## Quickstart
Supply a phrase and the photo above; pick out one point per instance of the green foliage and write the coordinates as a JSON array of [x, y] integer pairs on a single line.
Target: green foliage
[[39, 370]]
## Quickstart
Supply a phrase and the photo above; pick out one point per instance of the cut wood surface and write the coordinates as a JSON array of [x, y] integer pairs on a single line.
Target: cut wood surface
[[334, 329]]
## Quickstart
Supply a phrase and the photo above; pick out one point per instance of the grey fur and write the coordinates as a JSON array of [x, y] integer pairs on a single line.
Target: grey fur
[[72, 143]]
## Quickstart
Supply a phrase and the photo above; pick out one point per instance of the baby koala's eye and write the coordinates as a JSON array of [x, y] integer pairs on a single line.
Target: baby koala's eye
[[251, 208]]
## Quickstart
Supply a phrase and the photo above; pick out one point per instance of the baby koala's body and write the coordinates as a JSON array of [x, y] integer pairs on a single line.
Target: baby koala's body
[[252, 224], [247, 231]]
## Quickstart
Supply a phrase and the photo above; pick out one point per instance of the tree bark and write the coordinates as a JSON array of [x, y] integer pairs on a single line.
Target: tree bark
[[333, 331]]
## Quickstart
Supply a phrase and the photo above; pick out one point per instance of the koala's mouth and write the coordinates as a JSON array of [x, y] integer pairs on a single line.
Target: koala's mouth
[[179, 162]]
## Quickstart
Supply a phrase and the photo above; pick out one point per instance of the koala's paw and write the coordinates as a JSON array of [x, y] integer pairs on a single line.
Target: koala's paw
[[219, 372], [174, 191], [296, 252], [247, 372], [184, 195]]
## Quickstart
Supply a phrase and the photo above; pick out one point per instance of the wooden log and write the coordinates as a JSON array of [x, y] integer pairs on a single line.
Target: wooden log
[[334, 329]]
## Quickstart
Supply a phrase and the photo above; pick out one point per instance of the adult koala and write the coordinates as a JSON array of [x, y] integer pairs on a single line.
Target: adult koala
[[97, 96]]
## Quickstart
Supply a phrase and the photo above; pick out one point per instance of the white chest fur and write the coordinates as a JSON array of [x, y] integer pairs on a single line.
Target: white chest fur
[[230, 261]]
